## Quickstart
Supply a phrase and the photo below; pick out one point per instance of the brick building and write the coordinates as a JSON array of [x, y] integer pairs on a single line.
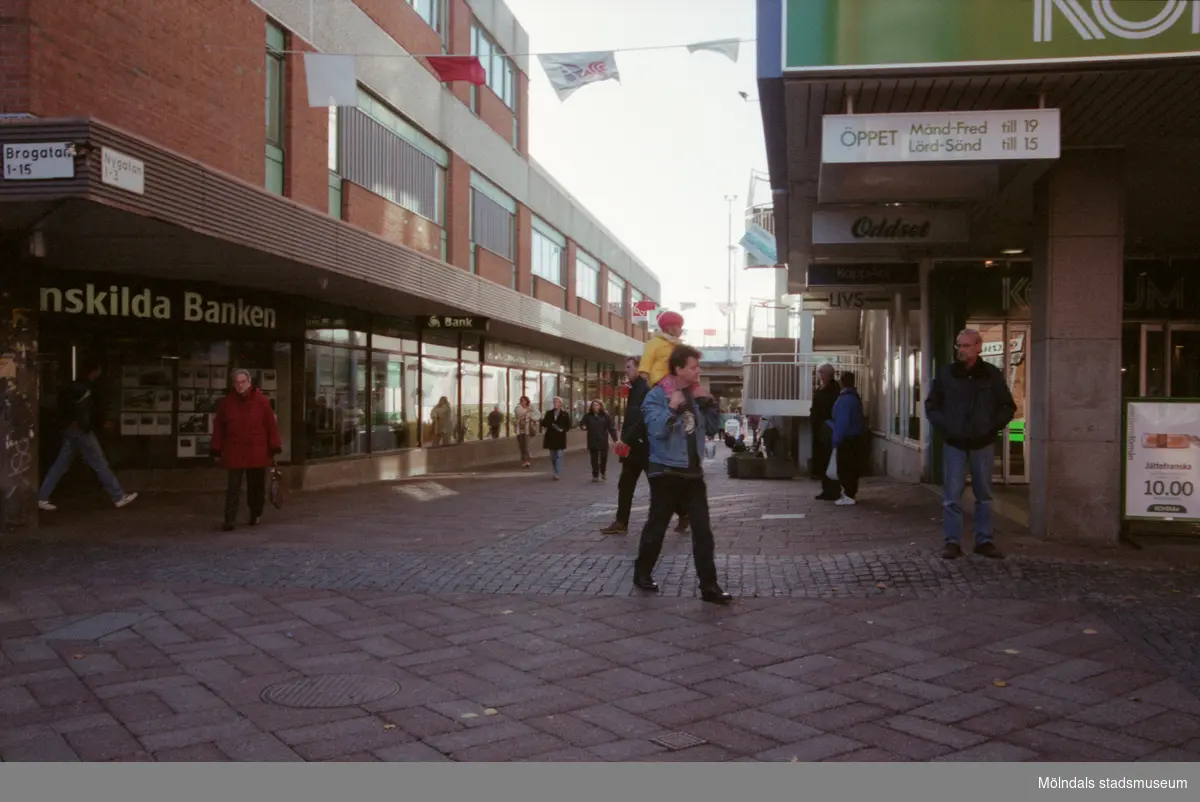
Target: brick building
[[172, 205]]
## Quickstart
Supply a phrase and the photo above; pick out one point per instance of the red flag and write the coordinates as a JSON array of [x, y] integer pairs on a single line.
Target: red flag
[[458, 68]]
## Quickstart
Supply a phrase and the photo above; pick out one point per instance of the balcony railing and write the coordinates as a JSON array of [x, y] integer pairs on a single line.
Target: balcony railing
[[784, 383]]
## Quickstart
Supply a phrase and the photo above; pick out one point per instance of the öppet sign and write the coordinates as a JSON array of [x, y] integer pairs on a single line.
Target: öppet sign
[[1162, 460], [938, 136]]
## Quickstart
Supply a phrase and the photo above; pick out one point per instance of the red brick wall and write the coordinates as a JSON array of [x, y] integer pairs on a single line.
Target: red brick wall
[[365, 209], [524, 250], [404, 24], [305, 136], [491, 110], [550, 293], [458, 212], [588, 310], [459, 43], [154, 75], [14, 56], [493, 267]]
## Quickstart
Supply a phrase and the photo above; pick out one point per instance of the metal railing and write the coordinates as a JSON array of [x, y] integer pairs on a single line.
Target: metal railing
[[784, 383]]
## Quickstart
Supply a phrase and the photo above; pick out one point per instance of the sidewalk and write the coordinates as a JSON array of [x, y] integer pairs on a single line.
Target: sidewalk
[[484, 617]]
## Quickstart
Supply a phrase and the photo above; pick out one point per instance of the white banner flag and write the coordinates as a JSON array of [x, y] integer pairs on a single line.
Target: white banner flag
[[686, 305], [331, 80], [570, 71], [726, 47]]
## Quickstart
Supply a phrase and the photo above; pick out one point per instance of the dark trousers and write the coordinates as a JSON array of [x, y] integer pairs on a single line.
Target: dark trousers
[[667, 494], [822, 451], [256, 492], [632, 469], [599, 461], [849, 465]]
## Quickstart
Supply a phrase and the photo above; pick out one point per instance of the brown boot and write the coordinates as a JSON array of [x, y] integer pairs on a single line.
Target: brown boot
[[615, 528]]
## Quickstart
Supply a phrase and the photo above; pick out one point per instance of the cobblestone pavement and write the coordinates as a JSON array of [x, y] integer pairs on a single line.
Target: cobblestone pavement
[[510, 626]]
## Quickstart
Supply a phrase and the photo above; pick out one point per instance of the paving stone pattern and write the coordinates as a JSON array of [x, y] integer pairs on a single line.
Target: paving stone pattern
[[511, 627]]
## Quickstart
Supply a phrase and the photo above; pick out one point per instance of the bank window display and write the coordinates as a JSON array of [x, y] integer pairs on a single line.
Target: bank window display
[[336, 401], [516, 389], [394, 381], [533, 389], [472, 407], [439, 402], [497, 408]]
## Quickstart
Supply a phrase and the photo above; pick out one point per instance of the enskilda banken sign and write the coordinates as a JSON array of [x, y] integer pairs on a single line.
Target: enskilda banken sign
[[123, 302]]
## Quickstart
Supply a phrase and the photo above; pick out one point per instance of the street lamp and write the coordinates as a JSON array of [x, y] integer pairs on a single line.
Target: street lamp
[[729, 307]]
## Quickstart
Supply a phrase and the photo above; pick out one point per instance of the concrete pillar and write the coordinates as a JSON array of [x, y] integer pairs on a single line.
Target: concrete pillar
[[1075, 388], [926, 370]]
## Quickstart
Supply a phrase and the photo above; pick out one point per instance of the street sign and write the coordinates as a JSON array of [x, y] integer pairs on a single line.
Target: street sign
[[642, 310], [937, 136], [39, 161], [454, 323], [882, 274]]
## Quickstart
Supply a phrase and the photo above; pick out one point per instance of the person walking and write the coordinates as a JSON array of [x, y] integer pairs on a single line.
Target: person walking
[[556, 422], [822, 413], [245, 439], [525, 422], [599, 426], [678, 425], [848, 427], [495, 421], [633, 450], [77, 415], [968, 405]]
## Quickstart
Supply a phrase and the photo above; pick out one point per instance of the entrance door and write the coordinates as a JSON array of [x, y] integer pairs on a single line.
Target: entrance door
[[1170, 360], [1006, 344]]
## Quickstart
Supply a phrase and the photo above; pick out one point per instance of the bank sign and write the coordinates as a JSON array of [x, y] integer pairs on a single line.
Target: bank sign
[[136, 303], [1021, 134], [843, 35]]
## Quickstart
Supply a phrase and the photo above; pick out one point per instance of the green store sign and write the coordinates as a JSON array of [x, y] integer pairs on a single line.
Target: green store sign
[[833, 35]]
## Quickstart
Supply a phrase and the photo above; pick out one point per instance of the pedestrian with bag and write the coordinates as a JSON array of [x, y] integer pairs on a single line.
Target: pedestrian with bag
[[245, 439], [848, 429], [556, 423], [526, 424], [599, 426], [824, 398]]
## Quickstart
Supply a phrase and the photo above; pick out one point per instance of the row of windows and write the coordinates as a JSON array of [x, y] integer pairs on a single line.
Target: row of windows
[[377, 148]]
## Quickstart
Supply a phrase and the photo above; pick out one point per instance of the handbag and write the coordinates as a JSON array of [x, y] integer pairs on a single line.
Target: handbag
[[831, 472], [275, 479]]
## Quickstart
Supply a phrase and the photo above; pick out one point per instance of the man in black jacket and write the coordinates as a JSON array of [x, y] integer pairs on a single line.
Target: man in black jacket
[[822, 412], [969, 403], [634, 463]]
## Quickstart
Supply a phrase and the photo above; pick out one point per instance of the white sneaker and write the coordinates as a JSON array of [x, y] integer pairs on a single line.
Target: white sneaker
[[47, 506], [128, 498], [845, 501]]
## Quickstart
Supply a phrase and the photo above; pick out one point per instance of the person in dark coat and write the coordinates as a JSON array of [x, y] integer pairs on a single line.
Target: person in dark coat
[[556, 423], [968, 405], [495, 421], [822, 413], [77, 403], [634, 453], [245, 439], [599, 426]]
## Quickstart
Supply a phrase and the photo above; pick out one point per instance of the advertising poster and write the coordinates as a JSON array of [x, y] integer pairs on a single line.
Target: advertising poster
[[1162, 460]]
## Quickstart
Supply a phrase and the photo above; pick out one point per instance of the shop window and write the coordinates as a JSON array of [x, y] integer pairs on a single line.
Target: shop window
[[587, 278], [533, 389], [549, 390], [270, 367], [394, 381], [516, 389], [495, 399], [578, 403], [335, 401], [442, 345], [439, 402], [472, 408]]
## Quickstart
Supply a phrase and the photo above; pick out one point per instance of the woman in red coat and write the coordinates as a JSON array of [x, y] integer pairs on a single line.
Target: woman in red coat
[[246, 439]]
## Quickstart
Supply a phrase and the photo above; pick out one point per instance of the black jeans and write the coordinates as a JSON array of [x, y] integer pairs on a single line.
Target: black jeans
[[256, 492], [822, 451], [849, 465], [632, 469], [599, 461], [667, 494]]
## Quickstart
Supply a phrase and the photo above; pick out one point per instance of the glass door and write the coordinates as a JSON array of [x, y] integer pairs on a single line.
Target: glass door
[[1006, 345], [1170, 360]]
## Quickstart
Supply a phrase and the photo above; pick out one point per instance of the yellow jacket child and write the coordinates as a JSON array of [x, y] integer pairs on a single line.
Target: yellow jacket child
[[657, 353]]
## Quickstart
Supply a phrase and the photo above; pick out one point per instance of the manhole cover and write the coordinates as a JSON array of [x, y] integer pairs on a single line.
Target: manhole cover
[[677, 740], [331, 690]]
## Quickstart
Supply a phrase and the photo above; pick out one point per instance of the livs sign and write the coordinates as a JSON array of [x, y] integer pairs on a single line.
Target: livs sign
[[125, 302]]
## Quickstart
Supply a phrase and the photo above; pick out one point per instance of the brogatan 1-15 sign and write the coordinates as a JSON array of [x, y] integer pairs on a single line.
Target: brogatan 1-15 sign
[[889, 34]]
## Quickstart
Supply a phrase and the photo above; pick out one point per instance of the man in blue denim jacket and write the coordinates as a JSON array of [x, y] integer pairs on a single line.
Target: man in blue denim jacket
[[678, 426]]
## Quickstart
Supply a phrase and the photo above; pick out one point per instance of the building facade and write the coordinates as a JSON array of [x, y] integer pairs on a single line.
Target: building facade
[[395, 274], [1027, 170]]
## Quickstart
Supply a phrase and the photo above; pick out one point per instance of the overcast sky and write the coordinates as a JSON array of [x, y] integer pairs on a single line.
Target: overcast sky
[[653, 157]]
